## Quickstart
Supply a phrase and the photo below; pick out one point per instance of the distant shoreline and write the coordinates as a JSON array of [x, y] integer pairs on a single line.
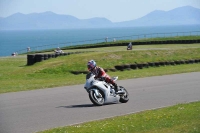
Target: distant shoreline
[[18, 41]]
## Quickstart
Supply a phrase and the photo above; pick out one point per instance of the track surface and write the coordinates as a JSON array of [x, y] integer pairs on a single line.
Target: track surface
[[31, 111]]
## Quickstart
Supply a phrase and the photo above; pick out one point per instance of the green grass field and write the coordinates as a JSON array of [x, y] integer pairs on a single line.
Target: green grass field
[[181, 118], [15, 76]]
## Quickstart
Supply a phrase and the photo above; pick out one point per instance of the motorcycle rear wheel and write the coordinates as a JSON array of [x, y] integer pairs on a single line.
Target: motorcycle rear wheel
[[99, 101], [125, 97]]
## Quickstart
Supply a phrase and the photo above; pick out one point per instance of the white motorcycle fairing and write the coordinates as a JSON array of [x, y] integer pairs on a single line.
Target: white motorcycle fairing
[[101, 91]]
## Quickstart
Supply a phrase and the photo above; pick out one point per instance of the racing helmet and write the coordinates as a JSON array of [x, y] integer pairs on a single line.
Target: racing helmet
[[91, 65]]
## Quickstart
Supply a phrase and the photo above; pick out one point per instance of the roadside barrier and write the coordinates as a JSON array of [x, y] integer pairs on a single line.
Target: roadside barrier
[[144, 65], [137, 43], [156, 64], [33, 58], [30, 59]]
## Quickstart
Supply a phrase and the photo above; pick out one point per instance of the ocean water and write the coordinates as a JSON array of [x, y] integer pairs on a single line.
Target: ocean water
[[18, 41]]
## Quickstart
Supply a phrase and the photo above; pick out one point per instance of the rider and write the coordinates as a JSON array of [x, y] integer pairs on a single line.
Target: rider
[[100, 73]]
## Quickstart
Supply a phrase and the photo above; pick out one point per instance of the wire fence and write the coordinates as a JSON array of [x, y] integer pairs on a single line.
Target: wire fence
[[110, 39]]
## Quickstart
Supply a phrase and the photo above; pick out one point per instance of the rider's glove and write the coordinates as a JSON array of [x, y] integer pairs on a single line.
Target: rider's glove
[[102, 78]]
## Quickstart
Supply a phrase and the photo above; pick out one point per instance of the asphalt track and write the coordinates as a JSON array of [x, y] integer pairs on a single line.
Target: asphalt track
[[32, 111]]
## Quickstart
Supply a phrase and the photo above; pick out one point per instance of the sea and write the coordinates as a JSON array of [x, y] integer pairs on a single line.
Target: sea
[[19, 40]]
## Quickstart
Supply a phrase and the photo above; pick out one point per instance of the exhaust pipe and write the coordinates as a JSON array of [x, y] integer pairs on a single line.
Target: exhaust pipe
[[120, 92]]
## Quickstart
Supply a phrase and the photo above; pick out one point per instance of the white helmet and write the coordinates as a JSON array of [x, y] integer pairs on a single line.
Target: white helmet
[[91, 65]]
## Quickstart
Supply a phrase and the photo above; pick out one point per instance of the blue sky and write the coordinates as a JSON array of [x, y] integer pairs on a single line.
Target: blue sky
[[114, 10]]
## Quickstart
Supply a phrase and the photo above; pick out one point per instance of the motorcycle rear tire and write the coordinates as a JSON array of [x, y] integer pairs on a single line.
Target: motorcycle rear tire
[[124, 98], [95, 100]]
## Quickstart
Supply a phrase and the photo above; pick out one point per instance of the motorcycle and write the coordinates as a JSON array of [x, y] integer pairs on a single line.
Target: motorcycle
[[101, 92]]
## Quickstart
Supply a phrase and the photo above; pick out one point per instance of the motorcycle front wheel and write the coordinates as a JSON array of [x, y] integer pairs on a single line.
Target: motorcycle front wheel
[[96, 100]]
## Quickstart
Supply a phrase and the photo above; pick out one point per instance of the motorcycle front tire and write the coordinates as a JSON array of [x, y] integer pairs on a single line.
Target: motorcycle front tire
[[95, 100]]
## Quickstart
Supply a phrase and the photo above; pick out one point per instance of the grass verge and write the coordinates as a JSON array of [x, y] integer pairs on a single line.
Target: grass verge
[[16, 76], [181, 118]]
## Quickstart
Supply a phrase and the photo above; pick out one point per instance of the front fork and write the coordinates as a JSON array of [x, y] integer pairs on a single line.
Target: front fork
[[97, 93]]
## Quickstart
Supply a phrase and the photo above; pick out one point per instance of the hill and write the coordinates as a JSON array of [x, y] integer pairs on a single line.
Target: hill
[[186, 15]]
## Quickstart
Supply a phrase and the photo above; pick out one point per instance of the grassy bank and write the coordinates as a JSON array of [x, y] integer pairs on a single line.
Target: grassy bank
[[16, 76], [181, 118]]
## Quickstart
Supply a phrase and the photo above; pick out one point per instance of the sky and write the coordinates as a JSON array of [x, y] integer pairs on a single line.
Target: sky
[[114, 10]]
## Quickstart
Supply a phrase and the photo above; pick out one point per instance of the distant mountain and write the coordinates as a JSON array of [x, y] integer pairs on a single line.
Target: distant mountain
[[49, 20], [186, 15]]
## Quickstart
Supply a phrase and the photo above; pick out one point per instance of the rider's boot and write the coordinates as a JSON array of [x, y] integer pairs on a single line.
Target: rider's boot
[[115, 88]]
